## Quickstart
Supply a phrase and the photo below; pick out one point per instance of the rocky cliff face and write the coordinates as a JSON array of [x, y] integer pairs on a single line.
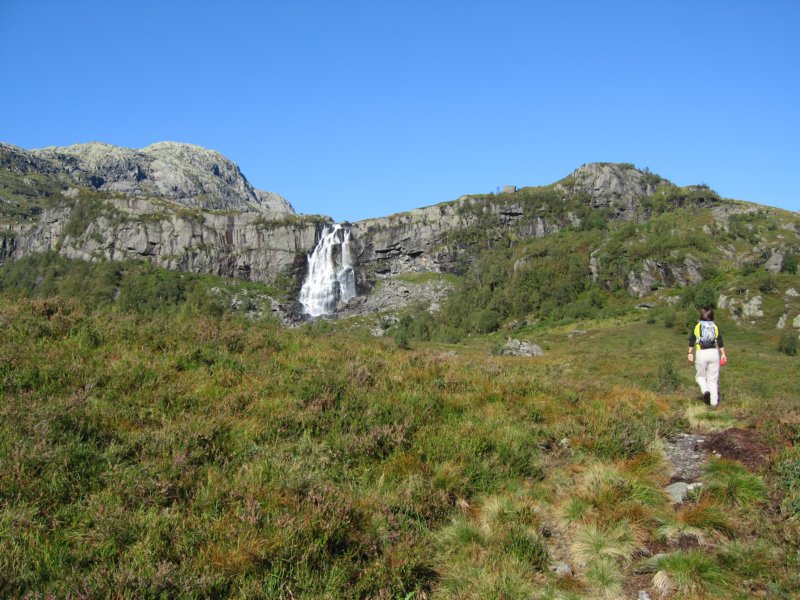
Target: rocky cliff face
[[180, 206], [242, 245]]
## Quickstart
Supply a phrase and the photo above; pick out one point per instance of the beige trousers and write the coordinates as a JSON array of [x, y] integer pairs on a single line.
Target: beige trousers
[[706, 364]]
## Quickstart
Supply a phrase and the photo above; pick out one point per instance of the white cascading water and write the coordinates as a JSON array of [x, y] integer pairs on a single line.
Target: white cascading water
[[331, 276]]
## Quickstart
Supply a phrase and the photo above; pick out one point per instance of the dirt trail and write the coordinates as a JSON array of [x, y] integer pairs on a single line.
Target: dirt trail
[[688, 452], [686, 455]]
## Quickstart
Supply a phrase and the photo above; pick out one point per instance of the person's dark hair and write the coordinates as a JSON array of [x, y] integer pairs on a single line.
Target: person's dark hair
[[706, 313]]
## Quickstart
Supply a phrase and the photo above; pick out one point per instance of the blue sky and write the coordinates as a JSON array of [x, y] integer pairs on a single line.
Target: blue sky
[[360, 109]]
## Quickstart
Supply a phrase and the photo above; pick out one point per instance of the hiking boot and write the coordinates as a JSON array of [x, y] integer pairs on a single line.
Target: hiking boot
[[707, 397]]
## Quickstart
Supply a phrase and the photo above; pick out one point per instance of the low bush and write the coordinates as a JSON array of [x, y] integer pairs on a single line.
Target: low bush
[[789, 343]]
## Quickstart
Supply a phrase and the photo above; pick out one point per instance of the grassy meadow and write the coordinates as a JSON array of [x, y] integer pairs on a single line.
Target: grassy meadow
[[182, 451]]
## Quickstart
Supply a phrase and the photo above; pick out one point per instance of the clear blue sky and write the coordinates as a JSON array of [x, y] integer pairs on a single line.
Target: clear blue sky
[[358, 109]]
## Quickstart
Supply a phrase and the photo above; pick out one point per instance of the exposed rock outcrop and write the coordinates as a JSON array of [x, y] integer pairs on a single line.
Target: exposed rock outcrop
[[184, 173], [520, 348], [617, 186], [653, 275]]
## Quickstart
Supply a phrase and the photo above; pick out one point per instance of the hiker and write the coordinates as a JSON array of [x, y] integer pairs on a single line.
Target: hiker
[[706, 341]]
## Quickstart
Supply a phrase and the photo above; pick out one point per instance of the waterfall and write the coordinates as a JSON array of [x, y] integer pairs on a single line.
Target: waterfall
[[331, 277]]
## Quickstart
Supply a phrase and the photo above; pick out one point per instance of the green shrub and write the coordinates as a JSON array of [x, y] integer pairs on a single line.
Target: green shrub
[[767, 283], [528, 547], [789, 343], [790, 263], [401, 339], [668, 378], [699, 296], [86, 210], [786, 471]]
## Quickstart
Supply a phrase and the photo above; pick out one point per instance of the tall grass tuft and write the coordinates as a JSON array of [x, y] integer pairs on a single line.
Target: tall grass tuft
[[688, 575], [730, 483], [614, 542], [702, 522]]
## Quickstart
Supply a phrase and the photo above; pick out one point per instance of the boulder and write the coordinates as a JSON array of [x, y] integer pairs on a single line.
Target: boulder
[[520, 348], [677, 491], [774, 262]]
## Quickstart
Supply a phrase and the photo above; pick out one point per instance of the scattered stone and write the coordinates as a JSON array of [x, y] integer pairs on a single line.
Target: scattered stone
[[577, 332], [752, 308], [562, 569], [564, 443], [521, 348], [646, 306], [677, 491], [650, 565], [392, 294], [644, 552], [388, 321], [643, 595], [781, 322], [792, 293], [796, 322]]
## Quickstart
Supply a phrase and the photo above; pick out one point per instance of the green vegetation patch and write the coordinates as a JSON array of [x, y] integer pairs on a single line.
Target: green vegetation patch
[[173, 450]]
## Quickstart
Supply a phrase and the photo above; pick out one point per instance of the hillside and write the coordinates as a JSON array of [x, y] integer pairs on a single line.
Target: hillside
[[178, 450], [163, 433]]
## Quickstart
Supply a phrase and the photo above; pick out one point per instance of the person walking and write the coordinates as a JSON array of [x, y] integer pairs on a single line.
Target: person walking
[[709, 353]]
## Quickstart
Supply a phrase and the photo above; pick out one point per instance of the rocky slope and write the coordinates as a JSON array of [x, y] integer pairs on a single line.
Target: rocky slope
[[187, 174], [443, 237]]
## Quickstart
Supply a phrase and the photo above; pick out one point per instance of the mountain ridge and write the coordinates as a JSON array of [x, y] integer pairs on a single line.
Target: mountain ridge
[[186, 208]]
